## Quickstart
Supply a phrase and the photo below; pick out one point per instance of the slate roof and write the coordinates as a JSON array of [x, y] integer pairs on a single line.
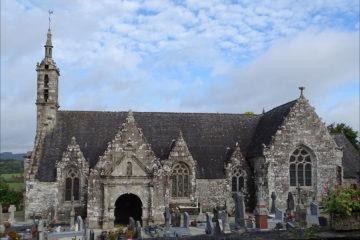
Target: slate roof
[[267, 127], [208, 135], [351, 157]]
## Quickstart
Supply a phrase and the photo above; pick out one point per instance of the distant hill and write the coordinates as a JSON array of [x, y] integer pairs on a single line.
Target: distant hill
[[10, 155]]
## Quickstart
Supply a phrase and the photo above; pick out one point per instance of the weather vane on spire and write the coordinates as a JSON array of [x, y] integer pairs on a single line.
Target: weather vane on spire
[[50, 12]]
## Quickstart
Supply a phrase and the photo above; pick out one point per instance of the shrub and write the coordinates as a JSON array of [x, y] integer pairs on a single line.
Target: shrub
[[342, 200]]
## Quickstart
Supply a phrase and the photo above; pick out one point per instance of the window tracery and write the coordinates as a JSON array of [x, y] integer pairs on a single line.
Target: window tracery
[[238, 179], [72, 185], [300, 169], [181, 180]]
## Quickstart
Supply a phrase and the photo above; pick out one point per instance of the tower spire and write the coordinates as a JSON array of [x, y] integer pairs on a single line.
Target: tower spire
[[48, 45]]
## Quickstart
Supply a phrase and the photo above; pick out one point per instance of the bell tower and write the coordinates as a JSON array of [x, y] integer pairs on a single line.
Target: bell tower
[[47, 89]]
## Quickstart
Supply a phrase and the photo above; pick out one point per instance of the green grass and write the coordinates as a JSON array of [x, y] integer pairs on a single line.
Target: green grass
[[8, 176], [17, 185]]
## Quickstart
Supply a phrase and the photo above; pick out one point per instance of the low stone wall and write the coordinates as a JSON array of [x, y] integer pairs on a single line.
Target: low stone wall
[[341, 223]]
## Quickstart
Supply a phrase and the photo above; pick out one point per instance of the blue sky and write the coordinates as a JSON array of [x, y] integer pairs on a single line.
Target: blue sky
[[192, 56]]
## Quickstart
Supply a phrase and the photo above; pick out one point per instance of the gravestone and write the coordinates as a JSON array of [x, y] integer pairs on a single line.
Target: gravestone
[[301, 216], [138, 230], [186, 220], [209, 224], [290, 202], [12, 210], [167, 216], [279, 215], [131, 224], [177, 219], [261, 214], [80, 223], [72, 218], [273, 205], [239, 210], [218, 227], [225, 220], [314, 208], [313, 214], [92, 235], [41, 230]]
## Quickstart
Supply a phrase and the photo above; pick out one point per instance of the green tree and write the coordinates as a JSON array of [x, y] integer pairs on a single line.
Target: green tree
[[8, 196], [349, 133]]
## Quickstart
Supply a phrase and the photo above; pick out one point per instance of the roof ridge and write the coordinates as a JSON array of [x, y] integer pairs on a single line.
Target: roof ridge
[[196, 113], [282, 105]]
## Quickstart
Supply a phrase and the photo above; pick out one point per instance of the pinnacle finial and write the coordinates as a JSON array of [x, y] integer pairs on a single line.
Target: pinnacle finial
[[130, 116], [301, 91]]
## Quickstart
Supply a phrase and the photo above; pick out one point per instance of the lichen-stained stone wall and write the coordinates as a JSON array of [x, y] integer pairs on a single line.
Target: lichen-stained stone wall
[[181, 154], [73, 159], [41, 198], [211, 193], [302, 127]]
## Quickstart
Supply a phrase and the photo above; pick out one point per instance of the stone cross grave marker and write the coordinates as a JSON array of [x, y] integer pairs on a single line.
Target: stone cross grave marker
[[239, 210], [273, 205], [279, 215], [186, 220], [12, 210], [209, 224], [167, 216]]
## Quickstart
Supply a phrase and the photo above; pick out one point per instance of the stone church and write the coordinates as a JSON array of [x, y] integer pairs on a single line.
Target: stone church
[[112, 165]]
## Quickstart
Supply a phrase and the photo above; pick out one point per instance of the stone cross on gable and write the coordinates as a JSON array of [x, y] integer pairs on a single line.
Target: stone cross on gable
[[301, 91]]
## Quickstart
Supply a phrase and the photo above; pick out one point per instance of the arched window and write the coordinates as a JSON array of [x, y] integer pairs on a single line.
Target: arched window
[[181, 180], [300, 168], [72, 185], [238, 179]]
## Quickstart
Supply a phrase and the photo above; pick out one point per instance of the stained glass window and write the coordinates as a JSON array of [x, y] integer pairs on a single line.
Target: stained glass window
[[181, 180], [300, 169]]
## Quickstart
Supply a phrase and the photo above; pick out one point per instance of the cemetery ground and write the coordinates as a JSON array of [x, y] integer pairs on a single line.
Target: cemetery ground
[[302, 223]]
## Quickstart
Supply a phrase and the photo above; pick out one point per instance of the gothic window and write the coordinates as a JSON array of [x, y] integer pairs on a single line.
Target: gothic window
[[238, 179], [300, 168], [129, 169], [72, 185], [181, 180]]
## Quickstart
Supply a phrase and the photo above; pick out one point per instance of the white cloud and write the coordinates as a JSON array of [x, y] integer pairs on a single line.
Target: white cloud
[[160, 55]]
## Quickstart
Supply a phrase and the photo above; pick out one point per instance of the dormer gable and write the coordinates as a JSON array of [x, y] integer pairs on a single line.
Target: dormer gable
[[129, 148]]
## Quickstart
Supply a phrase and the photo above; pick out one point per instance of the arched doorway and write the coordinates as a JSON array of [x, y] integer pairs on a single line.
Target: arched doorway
[[127, 205]]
